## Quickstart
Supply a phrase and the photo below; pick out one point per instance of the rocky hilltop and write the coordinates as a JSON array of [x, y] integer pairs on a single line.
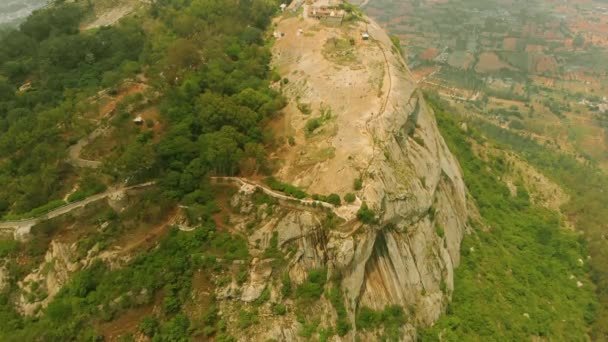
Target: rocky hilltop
[[366, 248], [355, 115]]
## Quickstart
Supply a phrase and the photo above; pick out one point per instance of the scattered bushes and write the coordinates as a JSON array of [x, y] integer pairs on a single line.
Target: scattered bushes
[[89, 186], [314, 123], [390, 319], [286, 285], [149, 326], [331, 199], [247, 319], [521, 232], [342, 324], [312, 288], [279, 309], [273, 251], [288, 189], [37, 211]]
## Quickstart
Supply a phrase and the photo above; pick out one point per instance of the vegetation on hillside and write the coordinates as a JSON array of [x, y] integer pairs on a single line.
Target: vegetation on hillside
[[208, 63], [587, 209], [207, 59], [519, 271], [61, 67], [98, 293]]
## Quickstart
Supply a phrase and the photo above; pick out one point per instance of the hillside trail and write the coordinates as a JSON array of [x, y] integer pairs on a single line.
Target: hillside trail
[[75, 150], [108, 111], [135, 242], [381, 110], [347, 212], [24, 225]]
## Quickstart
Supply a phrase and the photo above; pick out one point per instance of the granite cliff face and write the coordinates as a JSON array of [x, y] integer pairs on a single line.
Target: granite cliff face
[[374, 125]]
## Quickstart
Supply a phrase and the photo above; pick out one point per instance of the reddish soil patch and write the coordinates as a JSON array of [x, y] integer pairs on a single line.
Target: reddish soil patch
[[545, 64], [489, 61], [223, 195], [509, 44], [202, 293], [421, 73], [128, 321], [145, 236], [429, 54], [127, 89], [534, 48]]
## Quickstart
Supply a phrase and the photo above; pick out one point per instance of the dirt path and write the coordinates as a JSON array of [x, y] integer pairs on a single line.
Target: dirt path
[[108, 110], [347, 212], [23, 226], [75, 150], [381, 111]]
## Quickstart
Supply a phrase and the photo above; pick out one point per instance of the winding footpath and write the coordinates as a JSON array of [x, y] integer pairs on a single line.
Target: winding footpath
[[22, 227], [347, 211], [75, 150]]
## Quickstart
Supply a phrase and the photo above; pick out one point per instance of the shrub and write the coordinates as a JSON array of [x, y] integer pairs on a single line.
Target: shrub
[[304, 108], [263, 298], [247, 319], [312, 288], [331, 199], [273, 250], [8, 247], [358, 184], [286, 282], [334, 199], [366, 215], [313, 124], [337, 301], [419, 140], [350, 197], [148, 326], [279, 309], [439, 230], [390, 319], [288, 189]]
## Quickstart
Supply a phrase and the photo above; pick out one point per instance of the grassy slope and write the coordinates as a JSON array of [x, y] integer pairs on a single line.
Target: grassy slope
[[514, 280], [587, 208]]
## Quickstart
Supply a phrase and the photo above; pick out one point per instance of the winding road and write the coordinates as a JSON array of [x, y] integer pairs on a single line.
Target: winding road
[[23, 226], [75, 150]]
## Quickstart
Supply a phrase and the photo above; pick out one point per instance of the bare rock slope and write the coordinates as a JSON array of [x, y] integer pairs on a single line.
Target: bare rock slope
[[372, 124]]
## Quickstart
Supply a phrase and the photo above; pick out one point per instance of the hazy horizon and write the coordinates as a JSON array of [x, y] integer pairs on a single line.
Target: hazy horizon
[[14, 10]]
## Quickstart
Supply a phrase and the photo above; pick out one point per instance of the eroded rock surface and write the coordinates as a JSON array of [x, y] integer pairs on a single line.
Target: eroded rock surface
[[380, 130]]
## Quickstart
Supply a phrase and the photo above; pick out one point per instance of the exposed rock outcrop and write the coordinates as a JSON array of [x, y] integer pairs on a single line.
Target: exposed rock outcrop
[[41, 286], [382, 132]]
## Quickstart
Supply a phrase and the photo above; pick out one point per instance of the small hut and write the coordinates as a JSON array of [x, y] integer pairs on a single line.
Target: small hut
[[138, 120]]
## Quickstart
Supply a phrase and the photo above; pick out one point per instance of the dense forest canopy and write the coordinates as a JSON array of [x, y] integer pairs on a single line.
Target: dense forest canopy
[[208, 63], [206, 58]]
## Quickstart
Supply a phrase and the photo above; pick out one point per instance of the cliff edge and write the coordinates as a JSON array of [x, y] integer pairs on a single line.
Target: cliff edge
[[357, 123]]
